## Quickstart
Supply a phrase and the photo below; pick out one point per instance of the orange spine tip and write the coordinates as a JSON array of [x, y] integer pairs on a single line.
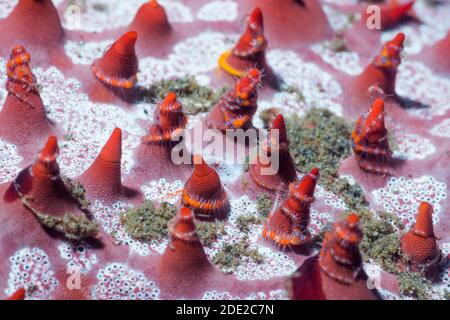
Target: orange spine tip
[[170, 99], [154, 4], [370, 140], [152, 25], [46, 163], [389, 56], [201, 168], [50, 150], [184, 260], [182, 227], [304, 191], [252, 41]]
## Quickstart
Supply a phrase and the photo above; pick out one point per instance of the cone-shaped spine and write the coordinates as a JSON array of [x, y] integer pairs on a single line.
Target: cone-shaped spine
[[424, 222], [35, 23], [42, 186], [370, 140], [236, 108], [119, 65], [42, 179], [19, 294], [339, 257], [103, 178], [336, 273], [378, 78], [291, 23], [288, 225], [276, 147], [184, 258], [249, 50], [151, 21], [23, 115], [420, 243], [170, 121], [204, 192], [20, 76], [389, 56], [154, 154]]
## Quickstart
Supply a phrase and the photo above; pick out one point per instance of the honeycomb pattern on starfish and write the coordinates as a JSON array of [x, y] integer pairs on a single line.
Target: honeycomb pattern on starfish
[[442, 129], [416, 81], [218, 11], [78, 256], [402, 196], [9, 161], [345, 61], [31, 267], [117, 281], [411, 146]]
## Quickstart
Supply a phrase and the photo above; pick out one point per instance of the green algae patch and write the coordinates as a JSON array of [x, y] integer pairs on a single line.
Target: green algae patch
[[352, 194], [209, 232], [147, 222], [319, 139], [77, 191], [194, 97], [244, 222], [73, 227], [264, 205], [69, 136], [232, 255], [381, 242], [415, 285], [385, 250]]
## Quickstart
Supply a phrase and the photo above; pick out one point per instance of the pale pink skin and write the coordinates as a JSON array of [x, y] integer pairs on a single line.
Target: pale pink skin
[[24, 231]]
